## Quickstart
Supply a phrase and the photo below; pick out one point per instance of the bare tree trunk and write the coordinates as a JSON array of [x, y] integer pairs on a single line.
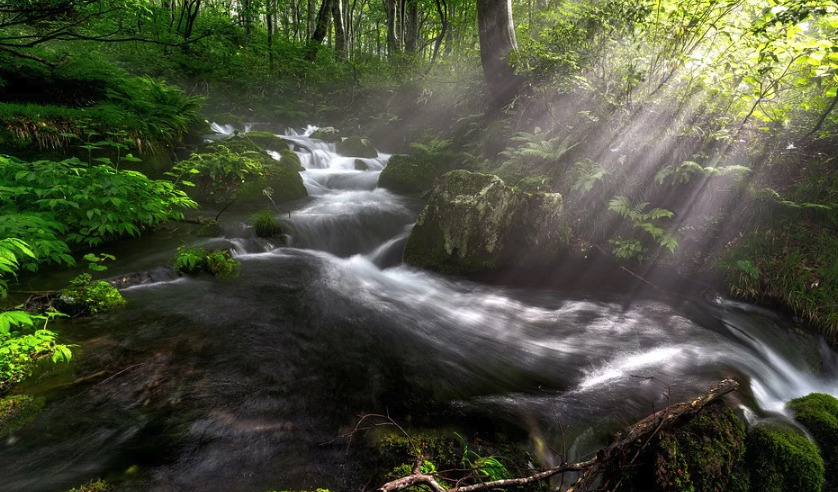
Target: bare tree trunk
[[340, 32], [497, 45], [392, 28], [411, 26]]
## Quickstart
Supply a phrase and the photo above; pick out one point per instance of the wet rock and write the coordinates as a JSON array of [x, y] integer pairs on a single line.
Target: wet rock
[[410, 174], [280, 183], [327, 134], [700, 454], [474, 222], [818, 413], [17, 411], [267, 140], [356, 147], [290, 159], [780, 459], [360, 165]]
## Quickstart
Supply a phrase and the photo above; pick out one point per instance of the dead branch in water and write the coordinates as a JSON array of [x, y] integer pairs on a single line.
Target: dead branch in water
[[643, 430]]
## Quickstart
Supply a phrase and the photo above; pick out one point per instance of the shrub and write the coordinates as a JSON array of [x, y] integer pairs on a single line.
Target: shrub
[[196, 260]]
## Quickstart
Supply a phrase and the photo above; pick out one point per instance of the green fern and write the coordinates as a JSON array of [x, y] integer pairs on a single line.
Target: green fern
[[534, 146]]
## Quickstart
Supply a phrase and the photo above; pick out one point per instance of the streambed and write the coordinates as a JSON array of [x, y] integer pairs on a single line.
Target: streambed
[[235, 385]]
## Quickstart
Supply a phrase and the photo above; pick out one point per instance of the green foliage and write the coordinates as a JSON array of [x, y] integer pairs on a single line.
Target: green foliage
[[265, 224], [781, 459], [195, 260], [70, 201], [536, 146], [17, 411], [85, 295], [793, 264], [485, 468], [24, 339], [818, 413], [644, 220]]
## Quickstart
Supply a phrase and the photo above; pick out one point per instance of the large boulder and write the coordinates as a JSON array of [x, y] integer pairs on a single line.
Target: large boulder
[[410, 174], [781, 458], [818, 413], [356, 147], [327, 134], [267, 140], [474, 222]]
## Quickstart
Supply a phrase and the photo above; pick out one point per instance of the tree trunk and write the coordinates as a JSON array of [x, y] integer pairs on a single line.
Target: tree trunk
[[321, 24], [411, 26], [392, 29], [340, 32], [497, 46]]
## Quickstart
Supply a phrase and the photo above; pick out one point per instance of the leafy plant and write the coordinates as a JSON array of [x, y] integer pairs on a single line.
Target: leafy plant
[[195, 260], [265, 223], [219, 173], [85, 295], [22, 342], [644, 220]]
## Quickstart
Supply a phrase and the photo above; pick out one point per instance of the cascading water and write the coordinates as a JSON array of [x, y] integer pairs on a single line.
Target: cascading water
[[234, 385]]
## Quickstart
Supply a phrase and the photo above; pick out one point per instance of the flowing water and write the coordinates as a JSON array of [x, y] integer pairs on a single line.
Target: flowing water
[[244, 384]]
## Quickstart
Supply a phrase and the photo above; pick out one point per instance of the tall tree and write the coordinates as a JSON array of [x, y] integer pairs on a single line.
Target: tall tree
[[497, 45]]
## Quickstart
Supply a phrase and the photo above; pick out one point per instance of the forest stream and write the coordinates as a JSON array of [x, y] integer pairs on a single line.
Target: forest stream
[[245, 384]]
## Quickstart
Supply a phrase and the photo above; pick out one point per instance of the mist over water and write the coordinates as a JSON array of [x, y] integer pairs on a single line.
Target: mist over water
[[235, 384]]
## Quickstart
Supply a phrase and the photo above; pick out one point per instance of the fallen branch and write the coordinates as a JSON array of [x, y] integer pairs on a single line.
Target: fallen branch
[[642, 430]]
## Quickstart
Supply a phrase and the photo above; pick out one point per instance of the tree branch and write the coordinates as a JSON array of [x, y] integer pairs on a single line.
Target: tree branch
[[641, 430]]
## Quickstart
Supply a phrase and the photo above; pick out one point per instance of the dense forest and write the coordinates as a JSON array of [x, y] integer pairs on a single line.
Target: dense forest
[[680, 152]]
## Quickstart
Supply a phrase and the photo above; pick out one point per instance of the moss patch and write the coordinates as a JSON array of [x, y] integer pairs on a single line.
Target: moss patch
[[409, 174], [356, 147], [818, 413], [780, 459], [86, 295], [327, 134], [17, 411], [94, 486], [267, 140]]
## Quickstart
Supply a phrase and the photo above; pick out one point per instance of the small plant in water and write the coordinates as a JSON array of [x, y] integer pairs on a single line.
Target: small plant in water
[[265, 224], [195, 260]]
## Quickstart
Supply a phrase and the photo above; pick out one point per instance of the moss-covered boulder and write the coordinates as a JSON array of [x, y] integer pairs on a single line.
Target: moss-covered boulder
[[327, 134], [699, 455], [267, 140], [88, 296], [818, 413], [290, 159], [279, 182], [410, 174], [17, 411], [781, 459], [356, 147], [474, 222]]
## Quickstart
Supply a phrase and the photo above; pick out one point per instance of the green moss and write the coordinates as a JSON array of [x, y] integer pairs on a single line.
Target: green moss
[[94, 486], [267, 140], [409, 174], [86, 295], [196, 260], [17, 411], [356, 147], [818, 413], [780, 459], [327, 134], [290, 159], [280, 183], [699, 455], [265, 224]]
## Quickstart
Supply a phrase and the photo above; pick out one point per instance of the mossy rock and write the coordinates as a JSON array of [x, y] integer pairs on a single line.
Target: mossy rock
[[267, 140], [473, 222], [87, 296], [290, 159], [17, 411], [781, 459], [698, 455], [282, 183], [356, 147], [327, 134], [93, 486], [226, 119], [818, 413], [409, 174]]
